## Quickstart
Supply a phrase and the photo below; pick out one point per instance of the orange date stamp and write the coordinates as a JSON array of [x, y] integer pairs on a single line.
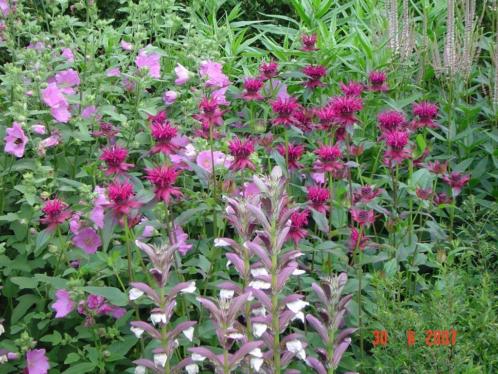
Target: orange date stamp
[[432, 338]]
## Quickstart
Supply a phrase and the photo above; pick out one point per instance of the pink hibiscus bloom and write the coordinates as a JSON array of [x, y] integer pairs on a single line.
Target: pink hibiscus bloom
[[88, 240], [182, 75], [149, 61], [63, 304], [36, 362], [67, 53], [205, 161], [100, 201], [213, 73], [15, 140]]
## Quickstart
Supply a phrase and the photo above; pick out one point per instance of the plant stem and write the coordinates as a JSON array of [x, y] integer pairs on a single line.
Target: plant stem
[[274, 305], [358, 300]]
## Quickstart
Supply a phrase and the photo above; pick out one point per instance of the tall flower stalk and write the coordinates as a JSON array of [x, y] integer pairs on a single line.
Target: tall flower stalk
[[332, 310], [162, 329], [277, 265]]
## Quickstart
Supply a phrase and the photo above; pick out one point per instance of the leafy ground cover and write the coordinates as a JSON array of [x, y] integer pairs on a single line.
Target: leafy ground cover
[[213, 187]]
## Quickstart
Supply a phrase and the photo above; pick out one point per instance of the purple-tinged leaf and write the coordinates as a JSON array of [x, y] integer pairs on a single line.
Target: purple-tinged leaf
[[321, 294], [243, 351], [343, 303], [316, 365], [262, 297], [259, 215], [181, 287], [236, 305], [319, 327], [148, 364], [339, 351], [237, 262], [147, 327], [180, 328], [284, 275], [344, 334], [260, 252], [212, 307], [147, 290], [205, 352]]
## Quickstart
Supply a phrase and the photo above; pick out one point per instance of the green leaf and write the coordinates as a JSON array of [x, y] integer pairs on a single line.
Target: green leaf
[[107, 230], [320, 220], [54, 338], [55, 282], [24, 302], [84, 367], [391, 268], [187, 215], [41, 241], [25, 282], [72, 358], [114, 295], [9, 217]]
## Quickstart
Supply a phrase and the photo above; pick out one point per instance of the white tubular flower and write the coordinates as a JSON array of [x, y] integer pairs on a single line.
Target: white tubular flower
[[297, 306], [158, 317], [260, 285], [189, 333], [190, 289], [259, 329], [135, 293], [160, 359], [218, 242], [192, 369], [197, 357], [137, 331], [296, 347]]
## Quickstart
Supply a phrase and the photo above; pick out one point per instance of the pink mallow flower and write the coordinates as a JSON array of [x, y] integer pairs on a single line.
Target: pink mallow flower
[[67, 53], [292, 154], [99, 202], [298, 221], [213, 73], [113, 72], [252, 86], [318, 197], [115, 157], [205, 160], [15, 140], [363, 217], [63, 304], [55, 212], [425, 112], [126, 46], [36, 362], [182, 75], [149, 61], [377, 80], [179, 237], [39, 129], [163, 178], [241, 150], [314, 73], [169, 97], [456, 181], [88, 240], [66, 80], [53, 97]]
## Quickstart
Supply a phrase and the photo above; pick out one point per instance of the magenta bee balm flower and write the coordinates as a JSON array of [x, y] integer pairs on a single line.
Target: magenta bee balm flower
[[391, 120], [298, 221], [292, 154], [318, 197], [55, 212], [398, 151], [308, 43], [163, 178], [352, 88], [425, 112], [345, 108], [252, 86], [15, 140], [328, 159], [363, 217], [284, 108], [115, 157], [377, 81], [314, 74], [268, 70], [456, 181], [241, 150], [121, 196]]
